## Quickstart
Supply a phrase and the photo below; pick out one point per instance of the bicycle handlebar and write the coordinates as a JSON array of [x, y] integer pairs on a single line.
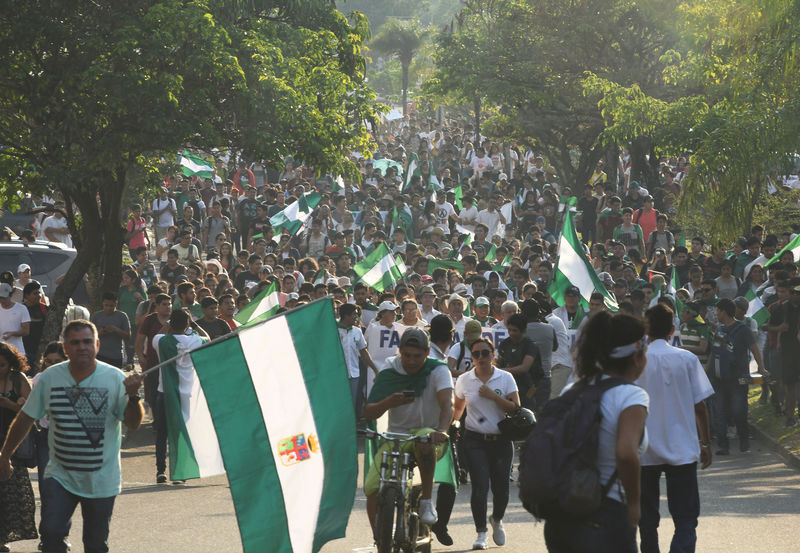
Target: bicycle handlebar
[[394, 436]]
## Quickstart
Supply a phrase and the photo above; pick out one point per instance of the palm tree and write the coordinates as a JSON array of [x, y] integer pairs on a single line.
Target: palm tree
[[400, 39]]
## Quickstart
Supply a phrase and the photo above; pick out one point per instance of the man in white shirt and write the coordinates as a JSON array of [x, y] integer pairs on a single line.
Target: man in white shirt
[[15, 321], [164, 214], [427, 297], [383, 338], [468, 216], [444, 212], [677, 386], [491, 217], [55, 229], [355, 349]]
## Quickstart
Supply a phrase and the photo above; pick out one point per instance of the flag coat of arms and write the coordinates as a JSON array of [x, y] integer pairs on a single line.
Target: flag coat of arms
[[280, 402]]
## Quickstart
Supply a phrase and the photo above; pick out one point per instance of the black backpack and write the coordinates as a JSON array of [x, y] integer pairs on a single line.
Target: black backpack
[[558, 474]]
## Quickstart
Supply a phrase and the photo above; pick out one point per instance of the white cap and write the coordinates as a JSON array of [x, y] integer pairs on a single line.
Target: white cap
[[332, 280], [6, 289], [294, 296], [502, 176], [23, 267], [387, 306]]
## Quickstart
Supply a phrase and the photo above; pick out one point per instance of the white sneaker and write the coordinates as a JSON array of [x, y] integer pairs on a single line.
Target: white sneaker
[[480, 543], [498, 533], [427, 514]]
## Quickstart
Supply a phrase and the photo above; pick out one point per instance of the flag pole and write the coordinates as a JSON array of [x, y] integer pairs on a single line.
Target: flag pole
[[230, 335]]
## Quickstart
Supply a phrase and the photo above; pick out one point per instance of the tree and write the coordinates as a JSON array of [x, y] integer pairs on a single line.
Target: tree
[[400, 39], [532, 58], [91, 101], [735, 107]]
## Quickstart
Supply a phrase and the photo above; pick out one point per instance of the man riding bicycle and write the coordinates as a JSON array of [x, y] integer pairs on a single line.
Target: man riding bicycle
[[417, 390]]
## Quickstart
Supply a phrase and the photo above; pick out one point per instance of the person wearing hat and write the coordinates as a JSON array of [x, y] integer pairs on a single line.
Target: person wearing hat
[[482, 308], [456, 305], [572, 314], [427, 298], [458, 356], [15, 321], [417, 392], [383, 337]]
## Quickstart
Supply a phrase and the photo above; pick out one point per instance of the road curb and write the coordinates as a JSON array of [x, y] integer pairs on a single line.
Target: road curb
[[792, 460]]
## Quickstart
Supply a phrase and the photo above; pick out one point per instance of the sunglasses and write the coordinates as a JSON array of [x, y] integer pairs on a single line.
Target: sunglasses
[[478, 353]]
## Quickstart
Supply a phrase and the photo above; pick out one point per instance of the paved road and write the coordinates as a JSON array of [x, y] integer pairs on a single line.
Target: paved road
[[749, 502]]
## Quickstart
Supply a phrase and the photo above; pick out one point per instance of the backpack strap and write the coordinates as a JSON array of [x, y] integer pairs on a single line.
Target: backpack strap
[[462, 354]]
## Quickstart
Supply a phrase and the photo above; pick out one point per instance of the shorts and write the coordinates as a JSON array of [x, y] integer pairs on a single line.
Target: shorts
[[373, 479]]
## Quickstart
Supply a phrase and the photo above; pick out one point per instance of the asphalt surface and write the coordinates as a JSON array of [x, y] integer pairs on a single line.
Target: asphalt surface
[[750, 502]]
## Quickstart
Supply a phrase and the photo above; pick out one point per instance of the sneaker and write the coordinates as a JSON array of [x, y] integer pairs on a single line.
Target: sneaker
[[442, 535], [161, 478], [498, 533], [178, 482], [480, 542], [427, 514]]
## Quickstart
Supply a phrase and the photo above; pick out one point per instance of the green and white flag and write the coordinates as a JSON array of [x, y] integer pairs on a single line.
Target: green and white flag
[[398, 260], [293, 216], [379, 269], [319, 277], [491, 255], [195, 165], [288, 445], [263, 306], [458, 192], [574, 269], [756, 308], [338, 186], [793, 246], [193, 445], [412, 170]]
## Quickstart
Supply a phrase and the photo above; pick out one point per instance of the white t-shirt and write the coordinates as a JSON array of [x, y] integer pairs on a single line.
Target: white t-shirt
[[613, 403], [480, 164], [11, 321], [382, 343], [483, 414], [428, 316], [675, 381], [165, 219], [562, 355], [54, 222], [468, 217], [424, 411], [352, 344], [454, 352], [491, 219], [443, 213], [459, 329]]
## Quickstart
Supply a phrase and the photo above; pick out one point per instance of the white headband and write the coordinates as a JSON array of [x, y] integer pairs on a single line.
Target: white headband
[[621, 352]]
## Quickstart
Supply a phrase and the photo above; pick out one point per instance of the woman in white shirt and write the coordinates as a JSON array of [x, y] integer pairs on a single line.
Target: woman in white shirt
[[610, 346], [489, 393]]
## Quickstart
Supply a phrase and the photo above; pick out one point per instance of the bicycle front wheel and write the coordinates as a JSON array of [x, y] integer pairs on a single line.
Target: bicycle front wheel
[[390, 511]]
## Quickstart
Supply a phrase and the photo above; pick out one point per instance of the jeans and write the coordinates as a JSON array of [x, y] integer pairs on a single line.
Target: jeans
[[489, 463], [730, 398], [355, 391], [57, 507], [683, 500], [542, 395], [160, 424], [605, 531]]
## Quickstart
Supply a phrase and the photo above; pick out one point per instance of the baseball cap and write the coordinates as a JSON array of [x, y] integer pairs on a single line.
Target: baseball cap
[[572, 290], [481, 300], [426, 290], [7, 277], [294, 296], [460, 288], [502, 176], [387, 306], [414, 337], [647, 198], [472, 329], [23, 267], [5, 289], [332, 280]]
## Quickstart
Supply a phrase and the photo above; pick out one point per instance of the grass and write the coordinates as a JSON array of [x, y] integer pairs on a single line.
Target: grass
[[764, 417]]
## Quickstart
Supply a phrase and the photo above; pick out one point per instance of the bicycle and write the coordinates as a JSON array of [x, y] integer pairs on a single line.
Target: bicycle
[[398, 528]]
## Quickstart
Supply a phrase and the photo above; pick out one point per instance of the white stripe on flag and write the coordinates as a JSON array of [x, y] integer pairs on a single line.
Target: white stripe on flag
[[199, 425], [572, 266], [286, 409], [264, 306], [375, 274], [195, 167]]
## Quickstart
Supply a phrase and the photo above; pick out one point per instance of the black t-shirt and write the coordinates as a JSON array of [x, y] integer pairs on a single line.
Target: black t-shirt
[[787, 313], [711, 269], [247, 210], [31, 341], [215, 328], [512, 353], [171, 275], [243, 278]]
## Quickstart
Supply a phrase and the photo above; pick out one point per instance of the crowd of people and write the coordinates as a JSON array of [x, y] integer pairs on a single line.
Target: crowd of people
[[477, 225]]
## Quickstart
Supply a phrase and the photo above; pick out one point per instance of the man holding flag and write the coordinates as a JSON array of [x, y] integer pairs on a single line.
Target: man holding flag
[[417, 392]]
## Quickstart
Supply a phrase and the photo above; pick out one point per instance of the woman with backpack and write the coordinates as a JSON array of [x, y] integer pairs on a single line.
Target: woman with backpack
[[610, 347], [488, 393]]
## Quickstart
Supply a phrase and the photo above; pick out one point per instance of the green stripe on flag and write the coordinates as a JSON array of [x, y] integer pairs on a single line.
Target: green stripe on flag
[[793, 246], [246, 451], [458, 192], [195, 165], [756, 308], [293, 216], [379, 269], [329, 395], [434, 264], [263, 306]]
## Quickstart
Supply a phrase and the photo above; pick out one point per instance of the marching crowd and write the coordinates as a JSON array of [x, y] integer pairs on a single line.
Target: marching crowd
[[476, 224]]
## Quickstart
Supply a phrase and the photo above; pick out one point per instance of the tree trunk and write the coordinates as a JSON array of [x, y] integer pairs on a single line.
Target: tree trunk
[[405, 67], [611, 156], [477, 106], [113, 234]]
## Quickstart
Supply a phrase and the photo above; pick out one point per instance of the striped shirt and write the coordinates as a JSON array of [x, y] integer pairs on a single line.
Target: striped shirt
[[693, 334]]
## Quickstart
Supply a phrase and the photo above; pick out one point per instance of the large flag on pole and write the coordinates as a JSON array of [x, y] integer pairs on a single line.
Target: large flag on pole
[[756, 308], [195, 165], [793, 246], [412, 170], [277, 394], [574, 269], [293, 216], [263, 306], [379, 269]]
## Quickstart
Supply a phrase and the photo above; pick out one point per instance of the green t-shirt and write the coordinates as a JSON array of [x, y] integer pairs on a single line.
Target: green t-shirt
[[85, 434]]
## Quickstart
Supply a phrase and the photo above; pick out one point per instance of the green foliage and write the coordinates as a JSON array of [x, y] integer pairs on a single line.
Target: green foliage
[[429, 12]]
